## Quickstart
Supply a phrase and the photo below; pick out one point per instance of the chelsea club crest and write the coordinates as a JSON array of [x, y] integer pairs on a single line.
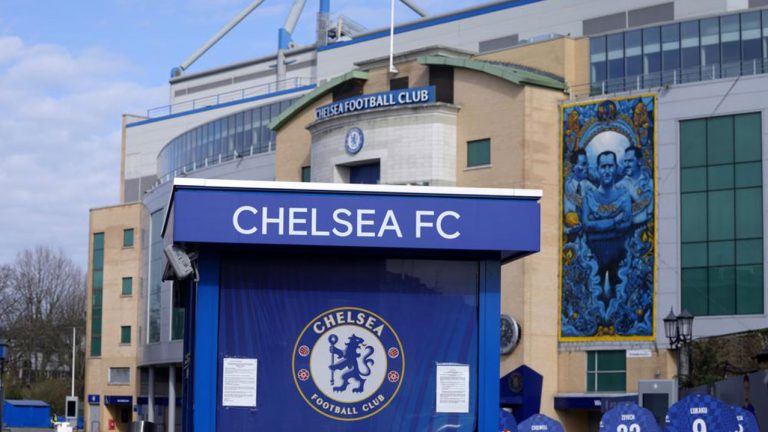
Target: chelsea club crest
[[348, 363], [354, 140]]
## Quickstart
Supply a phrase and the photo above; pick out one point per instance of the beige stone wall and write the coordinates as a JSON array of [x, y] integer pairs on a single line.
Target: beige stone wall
[[565, 57], [292, 150], [378, 79], [118, 310]]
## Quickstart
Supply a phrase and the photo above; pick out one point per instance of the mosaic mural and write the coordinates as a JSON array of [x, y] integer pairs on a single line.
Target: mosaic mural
[[608, 220]]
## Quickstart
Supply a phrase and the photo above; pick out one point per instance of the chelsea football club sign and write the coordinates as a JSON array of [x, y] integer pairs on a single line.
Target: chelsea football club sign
[[409, 96], [348, 363]]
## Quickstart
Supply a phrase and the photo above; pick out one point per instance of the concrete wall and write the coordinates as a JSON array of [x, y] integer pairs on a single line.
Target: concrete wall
[[117, 310], [698, 100]]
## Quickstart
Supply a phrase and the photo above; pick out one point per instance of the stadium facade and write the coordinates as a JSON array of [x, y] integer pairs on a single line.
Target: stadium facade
[[641, 122]]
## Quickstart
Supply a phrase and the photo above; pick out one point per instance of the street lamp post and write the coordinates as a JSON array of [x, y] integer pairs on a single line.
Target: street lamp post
[[679, 331], [3, 347]]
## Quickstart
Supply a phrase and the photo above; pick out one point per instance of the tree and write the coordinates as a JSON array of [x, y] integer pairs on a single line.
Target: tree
[[45, 293]]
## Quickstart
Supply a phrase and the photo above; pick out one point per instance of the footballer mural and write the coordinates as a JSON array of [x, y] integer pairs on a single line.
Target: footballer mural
[[608, 219]]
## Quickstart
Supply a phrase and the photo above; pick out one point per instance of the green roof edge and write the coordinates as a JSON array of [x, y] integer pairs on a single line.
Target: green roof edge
[[314, 95], [506, 72]]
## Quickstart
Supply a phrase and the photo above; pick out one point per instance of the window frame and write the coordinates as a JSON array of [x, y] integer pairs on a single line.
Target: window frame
[[595, 373], [113, 383], [123, 340], [128, 233]]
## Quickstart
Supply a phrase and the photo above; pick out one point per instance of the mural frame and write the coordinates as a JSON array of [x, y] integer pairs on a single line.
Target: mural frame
[[562, 221]]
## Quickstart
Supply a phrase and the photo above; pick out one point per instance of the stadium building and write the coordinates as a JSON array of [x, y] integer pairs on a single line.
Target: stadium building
[[641, 122]]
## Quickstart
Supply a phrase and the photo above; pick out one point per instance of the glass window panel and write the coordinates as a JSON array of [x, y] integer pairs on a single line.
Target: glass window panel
[[652, 56], [611, 360], [765, 34], [95, 346], [633, 52], [591, 382], [749, 213], [722, 253], [730, 45], [720, 215], [306, 174], [749, 251], [591, 360], [720, 177], [597, 55], [693, 143], [98, 241], [670, 52], [748, 174], [611, 382], [751, 45], [710, 48], [747, 137], [128, 237], [616, 61], [98, 259], [479, 153], [693, 179], [694, 291], [749, 289], [693, 254], [689, 51], [127, 288], [125, 334], [722, 293], [98, 279], [720, 140], [97, 298], [693, 224]]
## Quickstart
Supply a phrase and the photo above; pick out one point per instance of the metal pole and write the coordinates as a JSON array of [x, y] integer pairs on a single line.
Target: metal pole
[[392, 68], [72, 392]]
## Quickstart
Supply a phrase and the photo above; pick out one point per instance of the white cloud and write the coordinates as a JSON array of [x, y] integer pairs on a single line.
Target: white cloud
[[60, 141]]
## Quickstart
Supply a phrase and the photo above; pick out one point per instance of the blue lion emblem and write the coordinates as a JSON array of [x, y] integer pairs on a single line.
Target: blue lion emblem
[[348, 360]]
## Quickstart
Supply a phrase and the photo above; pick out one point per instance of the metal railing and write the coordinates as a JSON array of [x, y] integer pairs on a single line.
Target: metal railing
[[230, 96], [641, 83]]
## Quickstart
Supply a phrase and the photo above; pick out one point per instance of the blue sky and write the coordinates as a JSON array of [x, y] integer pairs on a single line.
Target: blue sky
[[70, 69]]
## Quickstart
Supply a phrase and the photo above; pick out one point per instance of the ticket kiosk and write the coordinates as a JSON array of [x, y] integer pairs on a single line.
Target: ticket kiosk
[[335, 307]]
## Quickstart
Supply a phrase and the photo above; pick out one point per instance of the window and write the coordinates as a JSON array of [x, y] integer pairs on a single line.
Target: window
[[633, 49], [306, 174], [125, 335], [128, 237], [616, 62], [127, 286], [751, 48], [710, 48], [606, 371], [97, 290], [689, 51], [730, 45], [155, 276], [119, 376], [721, 225], [398, 83], [652, 56], [178, 301], [442, 78], [670, 53], [597, 60], [479, 153]]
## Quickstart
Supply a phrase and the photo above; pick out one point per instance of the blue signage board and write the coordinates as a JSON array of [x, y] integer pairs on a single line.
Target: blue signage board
[[700, 412], [94, 399], [118, 400], [628, 417], [540, 422], [747, 421], [409, 96], [301, 218]]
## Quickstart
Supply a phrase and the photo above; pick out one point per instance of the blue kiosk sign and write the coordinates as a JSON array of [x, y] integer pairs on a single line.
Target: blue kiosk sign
[[345, 307]]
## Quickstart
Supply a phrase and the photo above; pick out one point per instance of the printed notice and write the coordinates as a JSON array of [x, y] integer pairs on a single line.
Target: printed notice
[[452, 388], [239, 383]]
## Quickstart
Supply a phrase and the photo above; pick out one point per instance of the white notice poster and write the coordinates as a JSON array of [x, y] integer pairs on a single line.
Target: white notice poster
[[452, 388], [239, 383]]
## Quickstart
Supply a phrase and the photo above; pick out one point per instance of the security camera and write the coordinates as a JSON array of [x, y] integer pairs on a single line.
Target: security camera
[[178, 261]]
